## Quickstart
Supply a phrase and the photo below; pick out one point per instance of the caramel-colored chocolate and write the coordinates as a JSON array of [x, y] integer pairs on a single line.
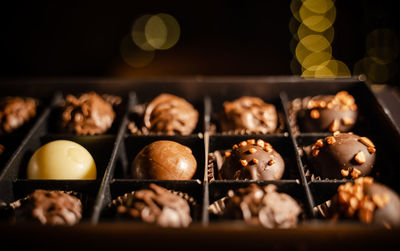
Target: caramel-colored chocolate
[[164, 160], [255, 160], [170, 115], [15, 112], [250, 114]]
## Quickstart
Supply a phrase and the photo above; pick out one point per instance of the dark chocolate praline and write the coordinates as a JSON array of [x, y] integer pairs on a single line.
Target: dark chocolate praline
[[367, 201], [343, 155], [325, 113], [164, 160], [248, 113], [252, 160]]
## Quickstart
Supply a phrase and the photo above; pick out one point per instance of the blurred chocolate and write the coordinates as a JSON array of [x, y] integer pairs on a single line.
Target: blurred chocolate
[[252, 160], [367, 201], [169, 114], [164, 160], [88, 114], [49, 208], [324, 113], [343, 155], [262, 205], [1, 149], [15, 112], [155, 205], [251, 114]]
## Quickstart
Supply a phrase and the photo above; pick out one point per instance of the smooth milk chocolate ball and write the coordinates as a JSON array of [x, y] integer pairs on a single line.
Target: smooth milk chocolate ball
[[343, 155], [250, 114], [367, 201], [328, 113], [62, 160], [164, 160], [252, 160], [170, 115]]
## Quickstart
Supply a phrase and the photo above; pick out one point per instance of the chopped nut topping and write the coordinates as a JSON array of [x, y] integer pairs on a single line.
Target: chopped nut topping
[[365, 215], [315, 152], [227, 154], [371, 150], [314, 114], [381, 200], [355, 173], [268, 148], [366, 141], [344, 172], [353, 107], [243, 143], [353, 203], [271, 162], [235, 147], [347, 121], [322, 104], [334, 125], [243, 162], [252, 150], [329, 105], [330, 140], [319, 143], [360, 157], [255, 161], [336, 133], [251, 141], [260, 143]]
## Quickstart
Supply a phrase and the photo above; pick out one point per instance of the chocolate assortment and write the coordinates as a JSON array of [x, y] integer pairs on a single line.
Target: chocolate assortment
[[159, 161]]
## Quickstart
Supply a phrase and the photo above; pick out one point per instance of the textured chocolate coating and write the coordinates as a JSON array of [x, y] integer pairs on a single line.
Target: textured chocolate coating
[[170, 115], [88, 114], [155, 205], [14, 112], [325, 113], [343, 155], [252, 160], [262, 205], [368, 202], [164, 160], [249, 113], [49, 208]]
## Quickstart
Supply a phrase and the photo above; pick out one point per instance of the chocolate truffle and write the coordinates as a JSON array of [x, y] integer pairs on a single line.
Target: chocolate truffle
[[1, 149], [262, 205], [15, 112], [88, 114], [60, 160], [367, 201], [343, 155], [49, 208], [169, 114], [155, 205], [164, 160], [250, 114], [325, 113], [252, 160]]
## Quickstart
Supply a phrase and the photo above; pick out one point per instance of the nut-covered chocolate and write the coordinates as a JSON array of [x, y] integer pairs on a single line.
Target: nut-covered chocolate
[[366, 201], [15, 112], [343, 155], [49, 208], [252, 160], [262, 206], [155, 205], [251, 114], [164, 160], [326, 113], [88, 114], [169, 114]]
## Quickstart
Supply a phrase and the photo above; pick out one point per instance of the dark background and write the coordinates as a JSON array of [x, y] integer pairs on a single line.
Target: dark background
[[82, 38]]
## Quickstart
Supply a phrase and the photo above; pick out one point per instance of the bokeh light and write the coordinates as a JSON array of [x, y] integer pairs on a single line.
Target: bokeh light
[[133, 55]]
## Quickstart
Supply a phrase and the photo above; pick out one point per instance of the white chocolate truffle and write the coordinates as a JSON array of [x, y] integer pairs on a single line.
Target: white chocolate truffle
[[62, 160]]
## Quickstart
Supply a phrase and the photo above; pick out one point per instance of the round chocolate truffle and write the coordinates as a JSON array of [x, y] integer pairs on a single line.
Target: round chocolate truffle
[[343, 155], [88, 114], [367, 201], [250, 114], [164, 160], [170, 115], [155, 205], [252, 160], [328, 113], [49, 207], [15, 112], [262, 205]]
